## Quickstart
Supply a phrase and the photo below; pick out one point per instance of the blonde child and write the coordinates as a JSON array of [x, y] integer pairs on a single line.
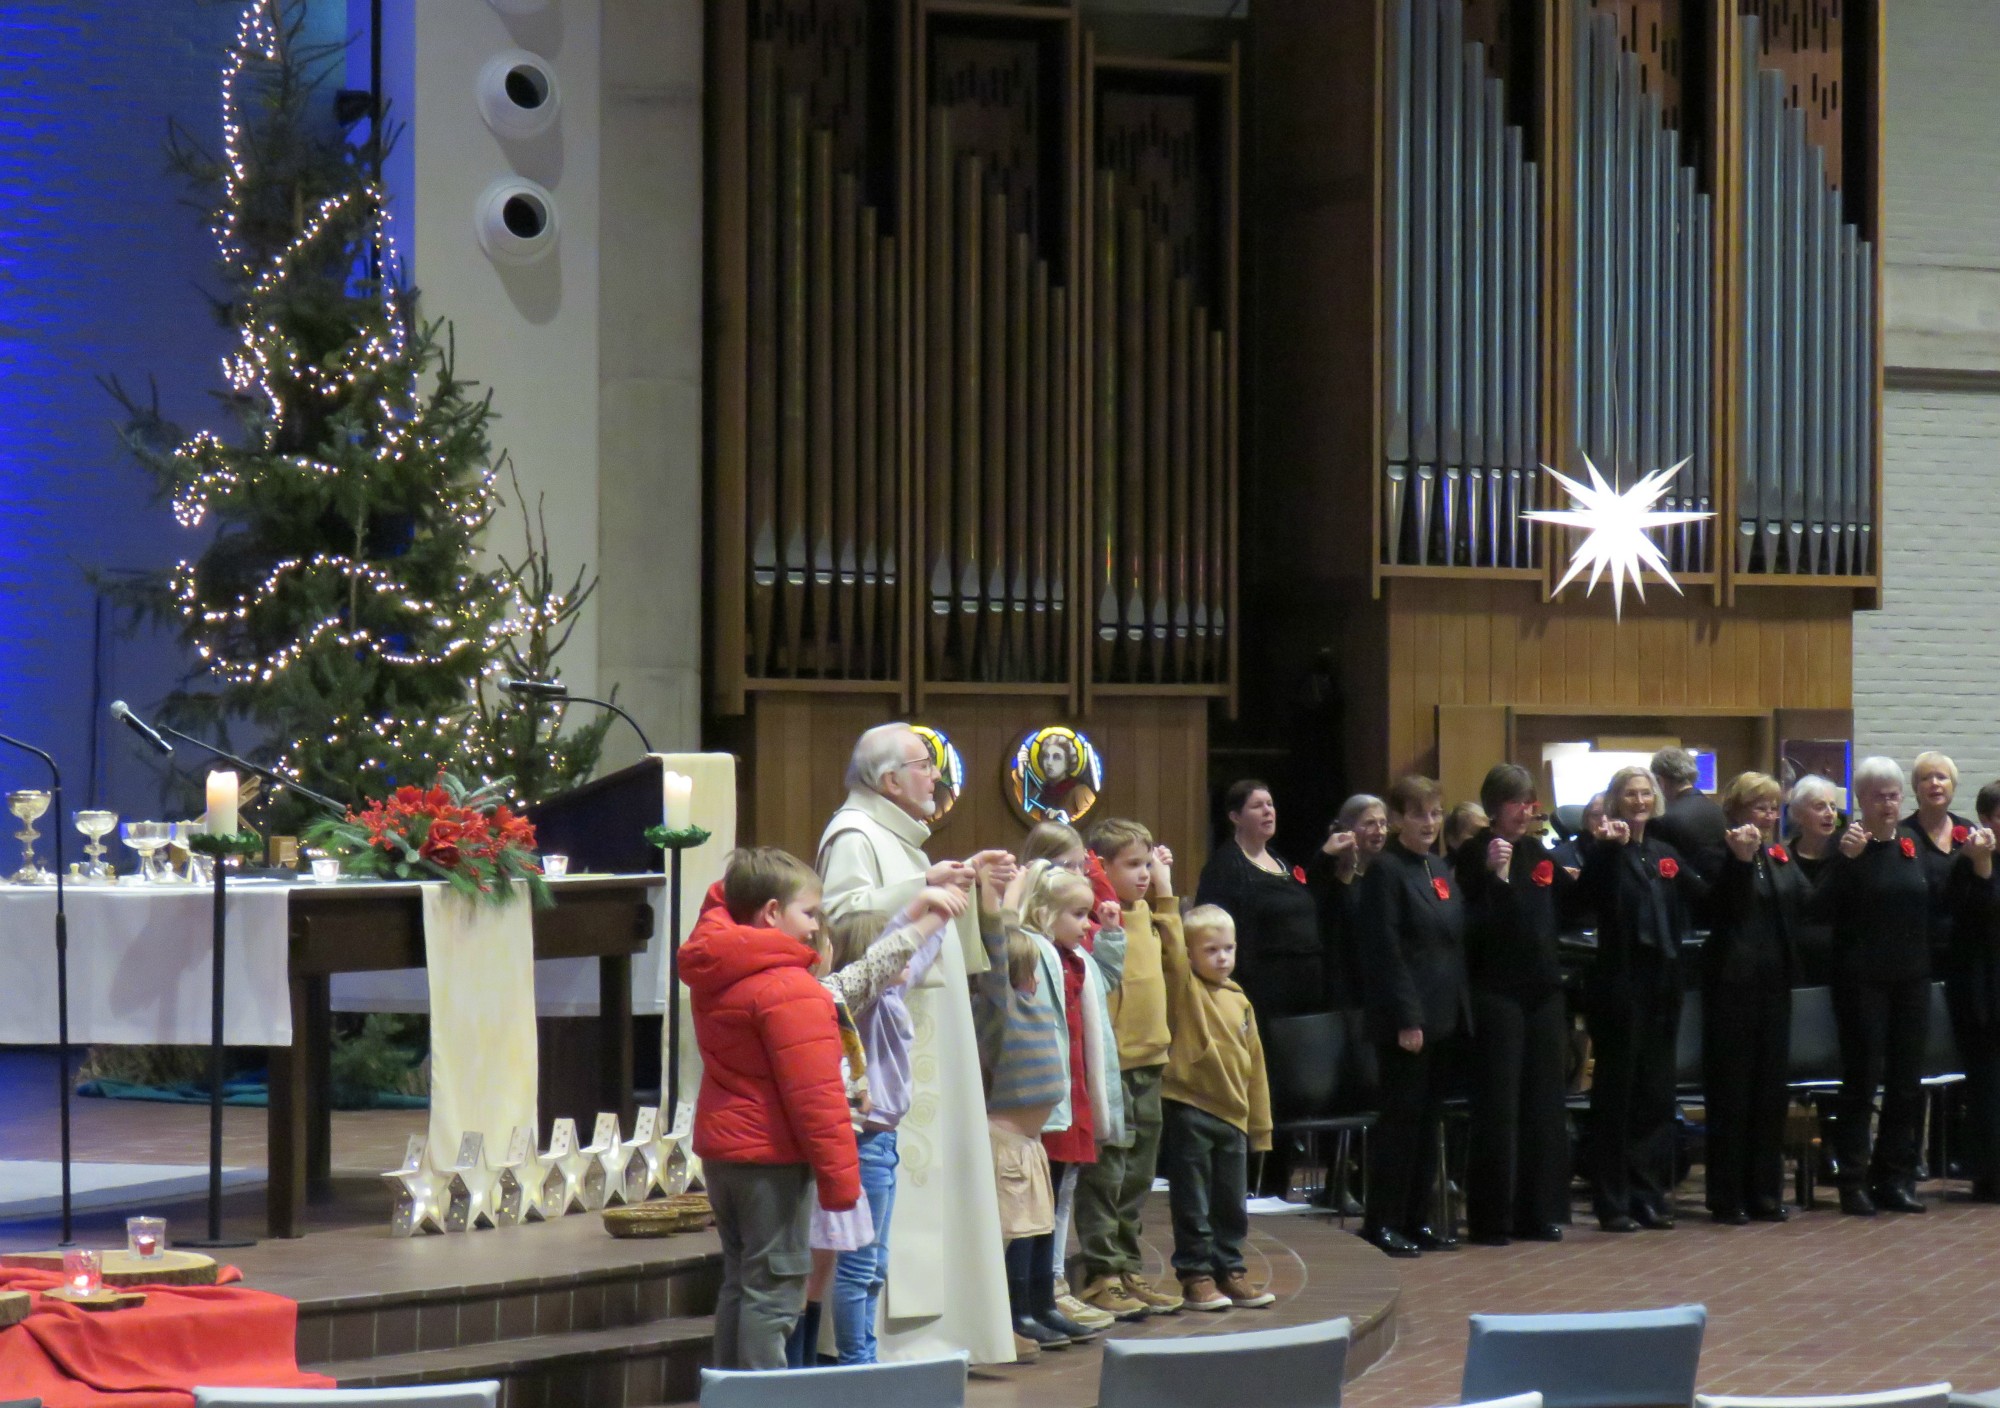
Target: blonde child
[[1111, 1193], [1216, 1103], [862, 957]]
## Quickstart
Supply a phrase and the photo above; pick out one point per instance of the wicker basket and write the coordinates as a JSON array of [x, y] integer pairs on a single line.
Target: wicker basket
[[662, 1217]]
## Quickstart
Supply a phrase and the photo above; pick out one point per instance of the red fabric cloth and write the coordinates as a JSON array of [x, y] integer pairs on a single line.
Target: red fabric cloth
[[1078, 1143], [153, 1355], [771, 1091]]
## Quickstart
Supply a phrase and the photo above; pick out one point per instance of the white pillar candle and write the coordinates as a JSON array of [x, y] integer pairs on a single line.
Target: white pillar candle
[[680, 802], [222, 799]]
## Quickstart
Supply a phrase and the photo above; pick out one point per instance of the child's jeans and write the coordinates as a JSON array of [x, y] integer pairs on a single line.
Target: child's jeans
[[858, 1276], [1206, 1162]]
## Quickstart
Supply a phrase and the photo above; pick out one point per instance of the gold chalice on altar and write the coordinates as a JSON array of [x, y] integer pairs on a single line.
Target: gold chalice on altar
[[28, 806], [96, 824]]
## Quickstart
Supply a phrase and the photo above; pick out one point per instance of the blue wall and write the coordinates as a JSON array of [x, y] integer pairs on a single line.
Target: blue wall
[[101, 272]]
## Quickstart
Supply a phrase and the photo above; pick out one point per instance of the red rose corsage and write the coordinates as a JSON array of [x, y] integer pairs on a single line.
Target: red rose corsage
[[1960, 835], [1780, 854], [1299, 874], [1544, 873], [1669, 867], [1909, 849], [1442, 886]]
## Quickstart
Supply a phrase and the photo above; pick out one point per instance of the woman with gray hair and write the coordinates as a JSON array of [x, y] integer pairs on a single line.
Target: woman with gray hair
[[1812, 831], [1878, 902], [1939, 833], [1334, 872]]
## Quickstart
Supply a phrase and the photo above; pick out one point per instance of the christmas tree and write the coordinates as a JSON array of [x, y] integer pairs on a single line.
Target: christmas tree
[[340, 609]]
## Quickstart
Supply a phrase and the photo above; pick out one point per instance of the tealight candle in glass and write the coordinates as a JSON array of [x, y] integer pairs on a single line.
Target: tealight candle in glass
[[146, 1237], [326, 869], [83, 1271], [555, 867]]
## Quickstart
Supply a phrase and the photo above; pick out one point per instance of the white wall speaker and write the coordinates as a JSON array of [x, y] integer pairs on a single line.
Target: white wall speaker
[[518, 221], [518, 94]]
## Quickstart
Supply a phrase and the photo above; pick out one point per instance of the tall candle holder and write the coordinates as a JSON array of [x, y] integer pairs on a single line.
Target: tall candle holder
[[673, 843], [219, 848]]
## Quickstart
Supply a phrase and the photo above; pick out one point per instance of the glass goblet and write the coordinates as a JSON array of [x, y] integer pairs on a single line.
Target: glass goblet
[[96, 824], [146, 837], [180, 851], [28, 806]]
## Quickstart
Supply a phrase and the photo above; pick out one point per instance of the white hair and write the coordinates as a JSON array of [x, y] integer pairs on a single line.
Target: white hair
[[877, 753], [1807, 790], [1351, 809], [1874, 774]]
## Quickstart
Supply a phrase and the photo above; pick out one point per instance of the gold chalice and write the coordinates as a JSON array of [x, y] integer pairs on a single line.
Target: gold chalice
[[28, 806]]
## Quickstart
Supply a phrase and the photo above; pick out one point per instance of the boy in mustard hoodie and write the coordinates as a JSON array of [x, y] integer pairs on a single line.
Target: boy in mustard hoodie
[[1217, 1107], [1111, 1193]]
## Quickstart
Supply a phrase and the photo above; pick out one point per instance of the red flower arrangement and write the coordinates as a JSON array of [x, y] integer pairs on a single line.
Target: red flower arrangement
[[1299, 874], [1960, 834], [1909, 849], [467, 837], [1780, 854], [1669, 867], [1544, 873], [1442, 886]]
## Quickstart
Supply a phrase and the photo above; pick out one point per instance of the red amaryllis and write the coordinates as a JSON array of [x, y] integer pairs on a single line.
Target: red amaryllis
[[1780, 854], [1544, 873], [1909, 849], [1442, 886], [1669, 867]]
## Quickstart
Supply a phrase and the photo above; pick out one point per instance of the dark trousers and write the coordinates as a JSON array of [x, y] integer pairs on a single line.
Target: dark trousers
[[1745, 1058], [1517, 1168], [1403, 1152], [1979, 1054], [1207, 1167], [1111, 1193], [1634, 1020], [1883, 1027]]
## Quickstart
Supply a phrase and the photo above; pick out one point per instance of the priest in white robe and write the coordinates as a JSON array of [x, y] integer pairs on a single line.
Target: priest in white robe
[[946, 1288]]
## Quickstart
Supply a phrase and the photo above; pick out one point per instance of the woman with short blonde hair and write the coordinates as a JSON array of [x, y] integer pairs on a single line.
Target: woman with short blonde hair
[[1938, 832]]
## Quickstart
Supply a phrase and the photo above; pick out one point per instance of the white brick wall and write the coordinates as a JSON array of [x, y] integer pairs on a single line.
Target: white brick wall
[[1927, 665]]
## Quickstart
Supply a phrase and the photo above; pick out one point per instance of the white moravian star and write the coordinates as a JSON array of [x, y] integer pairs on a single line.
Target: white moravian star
[[1616, 525]]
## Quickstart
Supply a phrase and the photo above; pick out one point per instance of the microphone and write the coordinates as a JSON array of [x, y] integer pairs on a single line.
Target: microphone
[[123, 714], [536, 689]]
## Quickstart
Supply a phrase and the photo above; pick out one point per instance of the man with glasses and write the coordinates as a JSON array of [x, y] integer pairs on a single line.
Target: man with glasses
[[946, 1288]]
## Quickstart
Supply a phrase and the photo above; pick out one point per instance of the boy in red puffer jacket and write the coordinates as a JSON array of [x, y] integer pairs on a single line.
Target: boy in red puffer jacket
[[772, 1117]]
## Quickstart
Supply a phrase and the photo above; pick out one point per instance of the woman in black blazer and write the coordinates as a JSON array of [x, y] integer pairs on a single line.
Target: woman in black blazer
[[1412, 931], [1749, 967], [1517, 1168], [1972, 992], [1878, 900], [1939, 832], [1641, 890]]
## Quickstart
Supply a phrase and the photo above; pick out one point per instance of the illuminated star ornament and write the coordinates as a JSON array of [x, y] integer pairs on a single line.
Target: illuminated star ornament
[[1616, 525]]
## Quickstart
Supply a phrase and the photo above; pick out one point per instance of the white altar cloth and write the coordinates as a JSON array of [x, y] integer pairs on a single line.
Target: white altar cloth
[[140, 963]]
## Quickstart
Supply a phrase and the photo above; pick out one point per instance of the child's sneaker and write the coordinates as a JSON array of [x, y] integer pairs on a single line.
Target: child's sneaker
[[1157, 1302], [1237, 1287], [1107, 1293], [1200, 1293], [1087, 1316]]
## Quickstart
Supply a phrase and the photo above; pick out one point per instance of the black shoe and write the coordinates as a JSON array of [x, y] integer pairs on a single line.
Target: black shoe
[[1616, 1222], [1069, 1329], [1897, 1200], [1770, 1212], [1389, 1242], [1430, 1240], [1490, 1239], [1029, 1328], [1856, 1203], [1547, 1232], [1730, 1217], [1652, 1218]]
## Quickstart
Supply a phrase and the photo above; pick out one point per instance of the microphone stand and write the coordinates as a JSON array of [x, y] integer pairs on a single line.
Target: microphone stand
[[563, 696], [62, 974], [270, 775]]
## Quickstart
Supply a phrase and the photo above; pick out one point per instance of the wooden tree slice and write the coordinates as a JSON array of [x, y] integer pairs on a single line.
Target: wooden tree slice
[[14, 1307], [121, 1268], [110, 1298]]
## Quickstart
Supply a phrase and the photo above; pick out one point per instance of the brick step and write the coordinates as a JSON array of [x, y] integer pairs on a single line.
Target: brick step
[[654, 1362]]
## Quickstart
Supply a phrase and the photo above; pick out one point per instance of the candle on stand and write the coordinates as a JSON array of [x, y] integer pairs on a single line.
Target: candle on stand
[[680, 802], [222, 799]]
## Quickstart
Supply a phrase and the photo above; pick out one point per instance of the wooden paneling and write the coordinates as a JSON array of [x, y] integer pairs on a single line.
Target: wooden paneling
[[1473, 643], [1155, 754]]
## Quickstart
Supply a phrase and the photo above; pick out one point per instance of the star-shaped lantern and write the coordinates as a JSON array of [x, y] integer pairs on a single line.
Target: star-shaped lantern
[[1616, 524]]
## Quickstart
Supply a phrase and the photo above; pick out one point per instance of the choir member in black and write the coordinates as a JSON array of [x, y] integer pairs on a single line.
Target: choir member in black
[[1972, 992], [1938, 832], [1570, 852], [1641, 890], [1878, 902], [1690, 821], [1281, 959], [1412, 930], [1334, 873], [1517, 1169], [1813, 814], [1748, 968]]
